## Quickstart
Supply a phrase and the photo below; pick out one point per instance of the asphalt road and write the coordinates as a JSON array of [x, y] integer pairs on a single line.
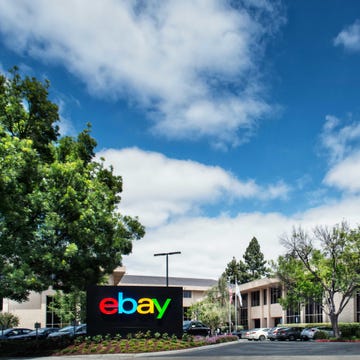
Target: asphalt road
[[242, 350]]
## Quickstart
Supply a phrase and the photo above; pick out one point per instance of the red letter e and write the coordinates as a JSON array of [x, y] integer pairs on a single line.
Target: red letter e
[[108, 306]]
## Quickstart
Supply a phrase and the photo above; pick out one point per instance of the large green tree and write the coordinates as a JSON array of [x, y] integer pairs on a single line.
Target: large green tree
[[255, 264], [60, 223], [252, 267], [323, 266]]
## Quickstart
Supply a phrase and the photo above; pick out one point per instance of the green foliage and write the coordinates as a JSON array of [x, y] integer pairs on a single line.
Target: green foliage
[[69, 307], [321, 335], [210, 312], [255, 265], [97, 339], [252, 267], [8, 320], [59, 211], [321, 273], [350, 330]]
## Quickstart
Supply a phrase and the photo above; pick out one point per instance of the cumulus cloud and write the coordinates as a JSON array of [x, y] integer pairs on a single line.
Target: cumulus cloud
[[349, 38], [169, 57], [342, 141], [338, 139], [158, 188], [208, 244], [346, 174]]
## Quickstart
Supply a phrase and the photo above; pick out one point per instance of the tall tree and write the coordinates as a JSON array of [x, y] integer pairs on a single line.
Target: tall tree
[[232, 272], [252, 267], [323, 266], [254, 261], [60, 223]]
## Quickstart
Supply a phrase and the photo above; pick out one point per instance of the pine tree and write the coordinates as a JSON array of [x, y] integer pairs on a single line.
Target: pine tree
[[252, 267], [254, 261]]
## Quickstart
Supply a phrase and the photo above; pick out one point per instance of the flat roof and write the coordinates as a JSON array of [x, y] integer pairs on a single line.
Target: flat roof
[[161, 281]]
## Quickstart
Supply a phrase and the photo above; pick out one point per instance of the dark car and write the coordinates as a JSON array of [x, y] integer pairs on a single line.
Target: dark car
[[288, 333], [69, 331], [195, 328], [8, 333], [41, 333]]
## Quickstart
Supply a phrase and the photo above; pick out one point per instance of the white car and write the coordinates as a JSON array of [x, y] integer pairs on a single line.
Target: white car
[[257, 334]]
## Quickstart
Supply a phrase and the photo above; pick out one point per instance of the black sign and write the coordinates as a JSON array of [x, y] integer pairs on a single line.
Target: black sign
[[131, 309]]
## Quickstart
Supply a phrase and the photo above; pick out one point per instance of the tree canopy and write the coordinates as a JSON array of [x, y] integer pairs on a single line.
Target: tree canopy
[[60, 223], [323, 266], [252, 267]]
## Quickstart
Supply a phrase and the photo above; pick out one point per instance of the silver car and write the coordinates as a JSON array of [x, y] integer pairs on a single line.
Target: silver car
[[309, 333]]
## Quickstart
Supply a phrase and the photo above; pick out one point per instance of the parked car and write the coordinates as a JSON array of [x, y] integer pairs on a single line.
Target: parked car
[[288, 333], [69, 331], [195, 328], [309, 333], [8, 333], [41, 333], [257, 334], [273, 332]]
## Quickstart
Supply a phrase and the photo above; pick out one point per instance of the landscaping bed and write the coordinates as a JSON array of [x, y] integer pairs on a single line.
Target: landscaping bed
[[107, 345]]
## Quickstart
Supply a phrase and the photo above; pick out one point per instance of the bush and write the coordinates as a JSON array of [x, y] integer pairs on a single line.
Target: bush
[[321, 335], [349, 330], [8, 320]]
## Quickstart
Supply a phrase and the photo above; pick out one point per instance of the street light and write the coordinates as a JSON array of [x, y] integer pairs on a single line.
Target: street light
[[167, 262]]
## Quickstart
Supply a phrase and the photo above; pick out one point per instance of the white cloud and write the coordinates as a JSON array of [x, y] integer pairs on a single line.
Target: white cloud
[[349, 38], [343, 145], [168, 195], [340, 140], [170, 55], [208, 244], [157, 188], [346, 174]]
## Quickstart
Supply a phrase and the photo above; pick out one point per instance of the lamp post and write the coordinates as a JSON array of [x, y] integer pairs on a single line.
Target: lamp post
[[167, 262]]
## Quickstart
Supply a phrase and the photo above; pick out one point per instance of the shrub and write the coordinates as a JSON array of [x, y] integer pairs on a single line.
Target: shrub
[[117, 337], [97, 339], [321, 335], [349, 330], [139, 335], [8, 320]]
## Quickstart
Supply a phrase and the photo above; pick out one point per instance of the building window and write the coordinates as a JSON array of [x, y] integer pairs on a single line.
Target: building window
[[275, 294], [255, 298], [313, 312], [357, 306], [244, 298], [265, 296], [293, 315], [244, 311], [52, 320], [187, 294]]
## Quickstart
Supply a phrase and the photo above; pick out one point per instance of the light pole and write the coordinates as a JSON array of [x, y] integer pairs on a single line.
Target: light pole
[[167, 262]]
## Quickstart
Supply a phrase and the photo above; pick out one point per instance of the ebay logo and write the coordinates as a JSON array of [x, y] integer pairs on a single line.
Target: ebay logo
[[128, 306]]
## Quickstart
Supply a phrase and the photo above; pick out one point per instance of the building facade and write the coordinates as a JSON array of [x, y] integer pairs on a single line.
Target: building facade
[[37, 308], [261, 307], [260, 302]]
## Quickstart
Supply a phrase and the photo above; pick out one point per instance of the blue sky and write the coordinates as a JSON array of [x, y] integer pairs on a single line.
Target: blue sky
[[226, 119]]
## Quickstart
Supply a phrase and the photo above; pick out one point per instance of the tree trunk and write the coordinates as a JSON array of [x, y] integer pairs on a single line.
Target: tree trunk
[[335, 324]]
